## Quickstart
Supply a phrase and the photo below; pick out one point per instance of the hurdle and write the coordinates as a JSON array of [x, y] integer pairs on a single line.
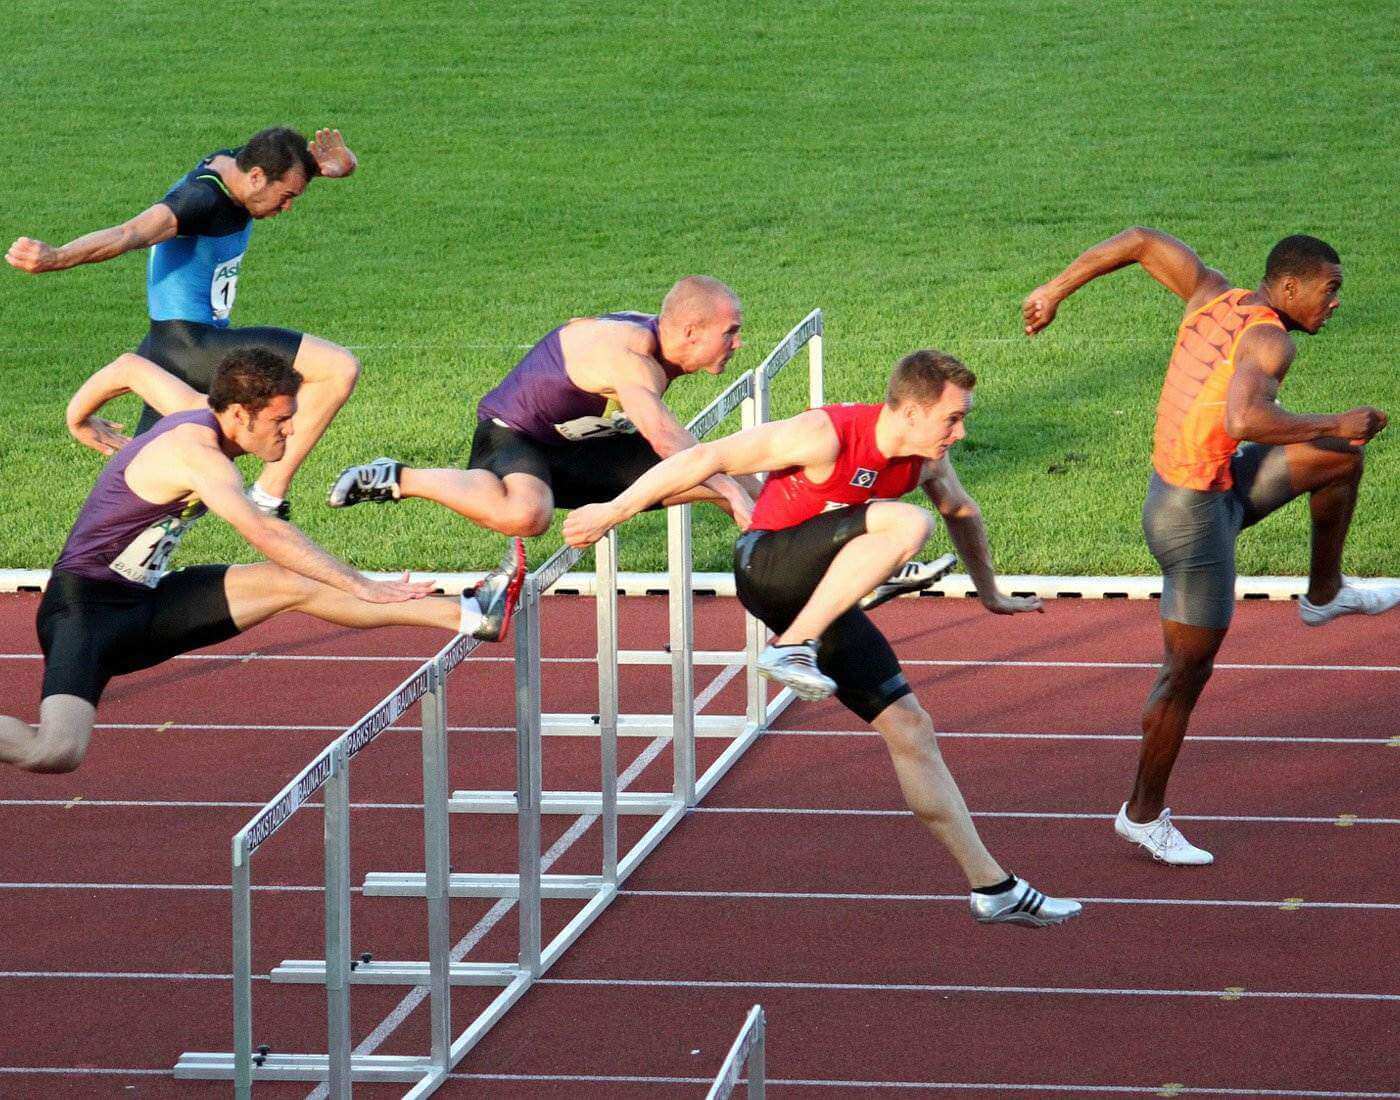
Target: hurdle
[[529, 883], [747, 1051], [330, 771]]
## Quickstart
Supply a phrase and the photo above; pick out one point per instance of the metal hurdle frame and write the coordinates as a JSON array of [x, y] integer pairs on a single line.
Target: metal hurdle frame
[[747, 1050], [339, 1067]]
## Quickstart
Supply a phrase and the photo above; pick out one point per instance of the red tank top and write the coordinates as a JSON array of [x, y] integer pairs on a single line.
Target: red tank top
[[862, 473]]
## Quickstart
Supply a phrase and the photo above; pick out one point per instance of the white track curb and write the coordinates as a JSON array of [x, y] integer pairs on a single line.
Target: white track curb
[[722, 584]]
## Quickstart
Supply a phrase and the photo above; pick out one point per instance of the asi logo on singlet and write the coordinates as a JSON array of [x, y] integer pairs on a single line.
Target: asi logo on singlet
[[864, 479]]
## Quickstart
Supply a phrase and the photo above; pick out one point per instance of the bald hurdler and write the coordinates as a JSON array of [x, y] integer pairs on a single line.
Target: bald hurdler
[[198, 234], [111, 607], [1226, 454], [828, 528], [578, 419]]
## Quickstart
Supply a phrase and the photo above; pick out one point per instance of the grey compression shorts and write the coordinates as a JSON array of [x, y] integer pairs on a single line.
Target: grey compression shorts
[[1192, 533]]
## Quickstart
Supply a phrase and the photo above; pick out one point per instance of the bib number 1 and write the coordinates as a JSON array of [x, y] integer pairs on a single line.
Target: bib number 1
[[224, 287]]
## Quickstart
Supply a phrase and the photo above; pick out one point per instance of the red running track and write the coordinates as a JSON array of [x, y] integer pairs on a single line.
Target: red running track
[[800, 883]]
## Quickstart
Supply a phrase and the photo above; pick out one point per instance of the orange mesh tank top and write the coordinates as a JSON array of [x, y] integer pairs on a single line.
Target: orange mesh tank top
[[1190, 446]]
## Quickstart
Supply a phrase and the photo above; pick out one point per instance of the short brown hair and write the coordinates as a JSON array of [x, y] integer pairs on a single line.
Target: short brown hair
[[277, 150], [252, 377], [921, 375]]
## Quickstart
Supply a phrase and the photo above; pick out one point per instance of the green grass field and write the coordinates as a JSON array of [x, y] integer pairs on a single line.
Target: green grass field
[[912, 168]]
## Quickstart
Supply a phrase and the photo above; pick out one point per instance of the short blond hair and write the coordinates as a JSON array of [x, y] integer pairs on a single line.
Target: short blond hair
[[695, 299], [921, 375]]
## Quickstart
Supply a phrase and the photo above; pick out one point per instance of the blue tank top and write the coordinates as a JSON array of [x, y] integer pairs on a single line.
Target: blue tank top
[[120, 537], [538, 399], [194, 275]]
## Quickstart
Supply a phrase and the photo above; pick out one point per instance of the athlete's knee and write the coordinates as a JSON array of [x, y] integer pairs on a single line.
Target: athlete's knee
[[907, 728], [344, 370], [56, 751], [1186, 674], [907, 523], [524, 516]]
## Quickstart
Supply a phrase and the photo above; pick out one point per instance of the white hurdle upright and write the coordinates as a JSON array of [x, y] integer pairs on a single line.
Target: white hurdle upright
[[529, 884], [747, 1051]]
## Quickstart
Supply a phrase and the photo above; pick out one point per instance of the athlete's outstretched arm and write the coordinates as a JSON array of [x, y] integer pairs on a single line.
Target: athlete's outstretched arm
[[129, 373], [807, 439], [968, 531], [1262, 358], [151, 226], [215, 480], [1168, 260]]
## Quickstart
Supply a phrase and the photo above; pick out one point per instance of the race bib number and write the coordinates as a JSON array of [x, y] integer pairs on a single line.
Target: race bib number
[[224, 287], [146, 558], [591, 427]]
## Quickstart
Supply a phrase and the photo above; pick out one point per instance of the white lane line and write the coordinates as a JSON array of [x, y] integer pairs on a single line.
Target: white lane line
[[761, 895], [239, 658], [114, 975], [810, 811], [419, 994], [787, 895], [216, 727], [998, 1088], [919, 987]]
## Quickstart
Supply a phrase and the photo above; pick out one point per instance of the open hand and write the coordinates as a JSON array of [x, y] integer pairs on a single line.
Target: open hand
[[332, 155], [585, 526], [999, 604], [1039, 308], [396, 591], [32, 256], [103, 436]]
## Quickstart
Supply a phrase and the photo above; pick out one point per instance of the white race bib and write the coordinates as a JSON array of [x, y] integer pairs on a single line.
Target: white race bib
[[146, 557], [224, 287]]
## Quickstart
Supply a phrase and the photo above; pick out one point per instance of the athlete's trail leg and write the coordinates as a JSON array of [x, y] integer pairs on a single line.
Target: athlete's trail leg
[[894, 533], [57, 744], [257, 592], [328, 373], [1186, 666], [519, 504], [930, 790]]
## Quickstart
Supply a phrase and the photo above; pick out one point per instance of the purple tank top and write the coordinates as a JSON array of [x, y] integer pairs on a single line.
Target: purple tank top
[[537, 398], [120, 537]]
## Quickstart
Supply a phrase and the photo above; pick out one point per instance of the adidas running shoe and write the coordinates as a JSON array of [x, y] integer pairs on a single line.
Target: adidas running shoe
[[913, 576], [795, 666], [376, 482], [1022, 903]]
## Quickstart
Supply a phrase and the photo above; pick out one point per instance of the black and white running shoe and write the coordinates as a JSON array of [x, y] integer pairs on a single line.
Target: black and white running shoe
[[795, 666], [913, 576], [375, 482], [1022, 903]]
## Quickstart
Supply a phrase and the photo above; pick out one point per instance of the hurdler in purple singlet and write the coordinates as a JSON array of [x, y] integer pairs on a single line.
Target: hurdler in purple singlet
[[538, 400], [121, 537]]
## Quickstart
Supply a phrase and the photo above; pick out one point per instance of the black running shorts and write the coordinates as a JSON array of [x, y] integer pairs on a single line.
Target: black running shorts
[[589, 471], [93, 630], [191, 350], [775, 573]]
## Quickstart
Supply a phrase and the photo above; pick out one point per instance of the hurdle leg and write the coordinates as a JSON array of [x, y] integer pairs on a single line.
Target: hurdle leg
[[681, 603], [437, 869], [606, 599], [528, 778], [753, 412], [242, 970], [337, 839]]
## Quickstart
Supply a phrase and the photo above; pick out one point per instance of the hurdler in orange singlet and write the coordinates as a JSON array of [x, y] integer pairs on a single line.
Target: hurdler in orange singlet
[[1190, 446]]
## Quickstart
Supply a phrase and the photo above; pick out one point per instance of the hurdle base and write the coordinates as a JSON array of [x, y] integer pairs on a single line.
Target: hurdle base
[[641, 725], [390, 972], [560, 802], [411, 884], [209, 1066]]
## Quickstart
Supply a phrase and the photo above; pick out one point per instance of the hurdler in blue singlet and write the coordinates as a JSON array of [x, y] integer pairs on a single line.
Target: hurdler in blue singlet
[[537, 398], [194, 275]]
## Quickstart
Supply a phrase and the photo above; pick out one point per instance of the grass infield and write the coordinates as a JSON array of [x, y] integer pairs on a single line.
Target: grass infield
[[913, 168]]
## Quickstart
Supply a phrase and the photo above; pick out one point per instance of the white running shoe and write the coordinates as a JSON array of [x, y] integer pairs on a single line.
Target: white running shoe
[[1162, 839], [1354, 599], [795, 666], [913, 576], [1022, 903]]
